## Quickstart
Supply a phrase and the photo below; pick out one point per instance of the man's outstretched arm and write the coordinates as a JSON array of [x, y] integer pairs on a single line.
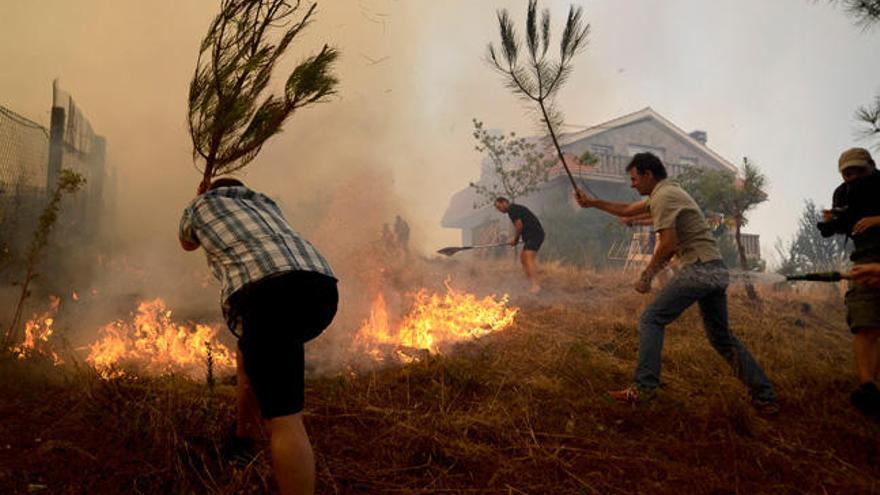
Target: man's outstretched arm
[[612, 207], [642, 219]]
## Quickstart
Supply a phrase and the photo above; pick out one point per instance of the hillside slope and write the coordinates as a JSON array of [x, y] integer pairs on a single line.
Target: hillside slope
[[520, 411]]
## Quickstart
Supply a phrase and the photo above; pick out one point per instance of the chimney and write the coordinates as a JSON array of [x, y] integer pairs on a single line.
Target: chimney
[[699, 136]]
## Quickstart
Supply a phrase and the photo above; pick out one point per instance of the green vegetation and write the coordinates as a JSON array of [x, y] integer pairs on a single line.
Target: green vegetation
[[68, 183], [237, 58], [733, 198], [517, 164], [533, 76], [808, 251]]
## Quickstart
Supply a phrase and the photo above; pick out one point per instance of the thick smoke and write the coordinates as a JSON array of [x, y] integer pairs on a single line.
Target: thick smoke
[[396, 138]]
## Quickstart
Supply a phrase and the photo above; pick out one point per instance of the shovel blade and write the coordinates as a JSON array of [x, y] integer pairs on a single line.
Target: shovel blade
[[449, 251]]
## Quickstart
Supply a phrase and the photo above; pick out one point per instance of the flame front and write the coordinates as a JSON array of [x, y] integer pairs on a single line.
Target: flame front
[[154, 344], [36, 335], [435, 320]]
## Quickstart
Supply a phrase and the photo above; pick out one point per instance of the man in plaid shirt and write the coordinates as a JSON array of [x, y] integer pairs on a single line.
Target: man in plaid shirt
[[277, 293]]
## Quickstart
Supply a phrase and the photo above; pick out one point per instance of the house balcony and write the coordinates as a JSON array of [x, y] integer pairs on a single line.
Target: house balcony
[[611, 168]]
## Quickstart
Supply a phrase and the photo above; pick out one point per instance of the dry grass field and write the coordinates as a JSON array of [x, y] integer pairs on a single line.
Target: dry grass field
[[521, 411]]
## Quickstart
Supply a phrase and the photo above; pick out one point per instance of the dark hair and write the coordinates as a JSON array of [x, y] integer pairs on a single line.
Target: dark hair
[[502, 199], [644, 162], [225, 182]]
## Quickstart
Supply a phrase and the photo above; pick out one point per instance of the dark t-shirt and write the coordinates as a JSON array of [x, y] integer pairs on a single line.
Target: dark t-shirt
[[531, 227], [861, 198]]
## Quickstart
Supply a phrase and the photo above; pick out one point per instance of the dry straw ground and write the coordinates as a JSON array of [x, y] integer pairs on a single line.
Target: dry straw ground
[[522, 411]]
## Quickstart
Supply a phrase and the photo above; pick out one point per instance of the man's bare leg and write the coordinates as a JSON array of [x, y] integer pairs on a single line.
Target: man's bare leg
[[530, 266], [248, 422], [292, 457], [865, 346], [877, 367]]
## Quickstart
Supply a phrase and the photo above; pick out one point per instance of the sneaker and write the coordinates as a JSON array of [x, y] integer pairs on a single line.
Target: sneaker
[[632, 394], [866, 399], [765, 407]]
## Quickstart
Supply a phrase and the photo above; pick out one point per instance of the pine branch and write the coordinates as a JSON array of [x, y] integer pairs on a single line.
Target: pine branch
[[542, 81], [869, 116], [229, 119]]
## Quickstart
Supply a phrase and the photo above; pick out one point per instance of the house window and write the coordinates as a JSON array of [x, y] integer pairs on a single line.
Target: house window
[[639, 148]]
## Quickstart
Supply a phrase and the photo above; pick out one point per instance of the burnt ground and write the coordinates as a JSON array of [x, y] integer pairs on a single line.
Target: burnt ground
[[520, 411]]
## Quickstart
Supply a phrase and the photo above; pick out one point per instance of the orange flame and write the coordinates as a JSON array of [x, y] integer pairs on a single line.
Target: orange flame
[[36, 335], [434, 321], [154, 344]]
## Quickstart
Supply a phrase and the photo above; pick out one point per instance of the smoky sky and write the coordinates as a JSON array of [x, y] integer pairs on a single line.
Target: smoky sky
[[775, 81]]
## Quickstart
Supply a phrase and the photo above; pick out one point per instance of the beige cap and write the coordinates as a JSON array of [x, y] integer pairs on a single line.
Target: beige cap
[[854, 157]]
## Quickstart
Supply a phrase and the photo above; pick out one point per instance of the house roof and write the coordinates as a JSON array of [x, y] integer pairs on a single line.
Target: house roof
[[461, 212], [645, 113]]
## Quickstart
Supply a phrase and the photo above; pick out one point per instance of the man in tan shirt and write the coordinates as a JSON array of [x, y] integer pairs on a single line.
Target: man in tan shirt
[[702, 279]]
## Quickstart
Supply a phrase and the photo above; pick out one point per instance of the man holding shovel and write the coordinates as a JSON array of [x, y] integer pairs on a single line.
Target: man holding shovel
[[277, 293], [529, 228], [702, 279]]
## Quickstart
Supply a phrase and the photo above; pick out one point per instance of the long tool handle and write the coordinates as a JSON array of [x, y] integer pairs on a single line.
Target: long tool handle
[[490, 245], [819, 277], [562, 157], [449, 251]]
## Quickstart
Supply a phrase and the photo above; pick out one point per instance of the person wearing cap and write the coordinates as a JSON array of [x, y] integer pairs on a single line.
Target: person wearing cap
[[856, 213]]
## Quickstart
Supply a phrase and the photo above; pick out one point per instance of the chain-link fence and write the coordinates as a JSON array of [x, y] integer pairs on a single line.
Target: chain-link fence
[[74, 145], [31, 157], [24, 159]]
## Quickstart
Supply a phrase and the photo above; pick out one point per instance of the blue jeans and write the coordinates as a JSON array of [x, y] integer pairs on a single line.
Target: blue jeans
[[706, 285]]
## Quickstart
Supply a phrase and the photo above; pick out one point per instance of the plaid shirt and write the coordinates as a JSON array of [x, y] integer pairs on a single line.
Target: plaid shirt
[[246, 238]]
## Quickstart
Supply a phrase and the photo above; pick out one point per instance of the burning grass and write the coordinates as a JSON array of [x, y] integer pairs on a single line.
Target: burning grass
[[37, 334], [434, 321], [154, 344], [518, 411]]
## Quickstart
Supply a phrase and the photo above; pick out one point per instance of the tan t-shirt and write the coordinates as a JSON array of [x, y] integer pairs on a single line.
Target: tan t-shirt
[[671, 207]]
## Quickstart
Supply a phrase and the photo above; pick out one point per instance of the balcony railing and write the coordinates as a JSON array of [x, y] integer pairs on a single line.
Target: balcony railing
[[608, 167]]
